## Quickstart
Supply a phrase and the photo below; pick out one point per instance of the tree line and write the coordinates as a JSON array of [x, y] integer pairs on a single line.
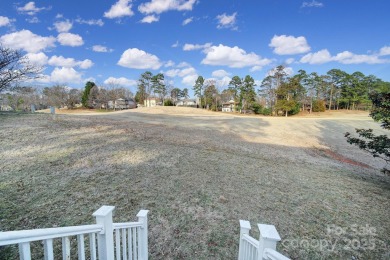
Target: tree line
[[280, 94]]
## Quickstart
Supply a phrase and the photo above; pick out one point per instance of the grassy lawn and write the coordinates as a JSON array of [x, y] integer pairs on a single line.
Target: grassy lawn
[[197, 184]]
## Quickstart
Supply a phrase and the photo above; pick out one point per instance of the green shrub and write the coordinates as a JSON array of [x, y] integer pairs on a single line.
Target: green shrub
[[295, 110], [266, 111], [257, 108], [318, 106], [168, 102]]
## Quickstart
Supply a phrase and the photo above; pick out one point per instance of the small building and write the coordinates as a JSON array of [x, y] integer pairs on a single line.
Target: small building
[[229, 106], [121, 103], [186, 103], [150, 102]]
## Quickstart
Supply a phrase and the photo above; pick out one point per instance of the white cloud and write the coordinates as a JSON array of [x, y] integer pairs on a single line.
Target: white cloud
[[233, 57], [31, 9], [288, 45], [160, 6], [65, 75], [85, 64], [221, 82], [28, 41], [191, 47], [70, 39], [169, 64], [60, 61], [220, 73], [150, 19], [256, 68], [384, 51], [33, 20], [320, 57], [139, 59], [312, 4], [290, 61], [38, 59], [189, 80], [63, 26], [175, 45], [120, 81], [180, 72], [119, 9], [101, 48], [4, 21], [347, 57], [188, 20], [226, 21], [183, 64], [98, 22], [185, 71], [224, 81]]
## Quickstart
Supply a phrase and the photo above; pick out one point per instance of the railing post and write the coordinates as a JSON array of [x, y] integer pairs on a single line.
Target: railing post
[[106, 237], [143, 243], [245, 226], [268, 238]]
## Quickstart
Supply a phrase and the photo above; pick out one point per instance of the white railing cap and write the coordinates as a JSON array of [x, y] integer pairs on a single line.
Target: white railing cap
[[143, 213], [269, 232], [103, 211], [245, 224], [15, 237]]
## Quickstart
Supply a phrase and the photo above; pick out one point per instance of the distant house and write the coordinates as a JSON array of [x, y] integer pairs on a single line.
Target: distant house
[[121, 103], [186, 103], [150, 102], [229, 106]]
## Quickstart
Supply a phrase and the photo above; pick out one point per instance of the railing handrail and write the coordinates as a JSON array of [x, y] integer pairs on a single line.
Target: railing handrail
[[271, 254], [126, 225], [21, 236], [251, 240]]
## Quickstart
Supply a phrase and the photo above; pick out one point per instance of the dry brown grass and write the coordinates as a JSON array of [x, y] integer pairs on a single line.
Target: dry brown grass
[[197, 179]]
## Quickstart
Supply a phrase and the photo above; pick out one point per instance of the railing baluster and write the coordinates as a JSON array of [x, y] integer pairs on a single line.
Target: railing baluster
[[92, 245], [129, 242], [247, 247], [131, 249], [48, 249], [80, 247], [65, 248], [135, 242], [124, 244], [118, 243], [24, 251]]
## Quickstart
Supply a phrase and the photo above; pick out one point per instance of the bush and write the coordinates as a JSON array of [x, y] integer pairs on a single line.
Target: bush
[[318, 106], [295, 110], [257, 108], [266, 111], [168, 103]]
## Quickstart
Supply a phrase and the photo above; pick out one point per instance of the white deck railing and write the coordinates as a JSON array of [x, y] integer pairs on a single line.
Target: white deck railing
[[136, 234], [262, 249]]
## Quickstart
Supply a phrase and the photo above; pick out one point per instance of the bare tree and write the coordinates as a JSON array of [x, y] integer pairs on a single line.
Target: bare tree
[[15, 68]]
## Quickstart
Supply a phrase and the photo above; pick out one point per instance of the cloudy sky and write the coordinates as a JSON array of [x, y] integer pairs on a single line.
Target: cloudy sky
[[115, 41]]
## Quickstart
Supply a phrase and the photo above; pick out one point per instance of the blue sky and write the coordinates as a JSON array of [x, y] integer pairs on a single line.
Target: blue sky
[[113, 42]]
